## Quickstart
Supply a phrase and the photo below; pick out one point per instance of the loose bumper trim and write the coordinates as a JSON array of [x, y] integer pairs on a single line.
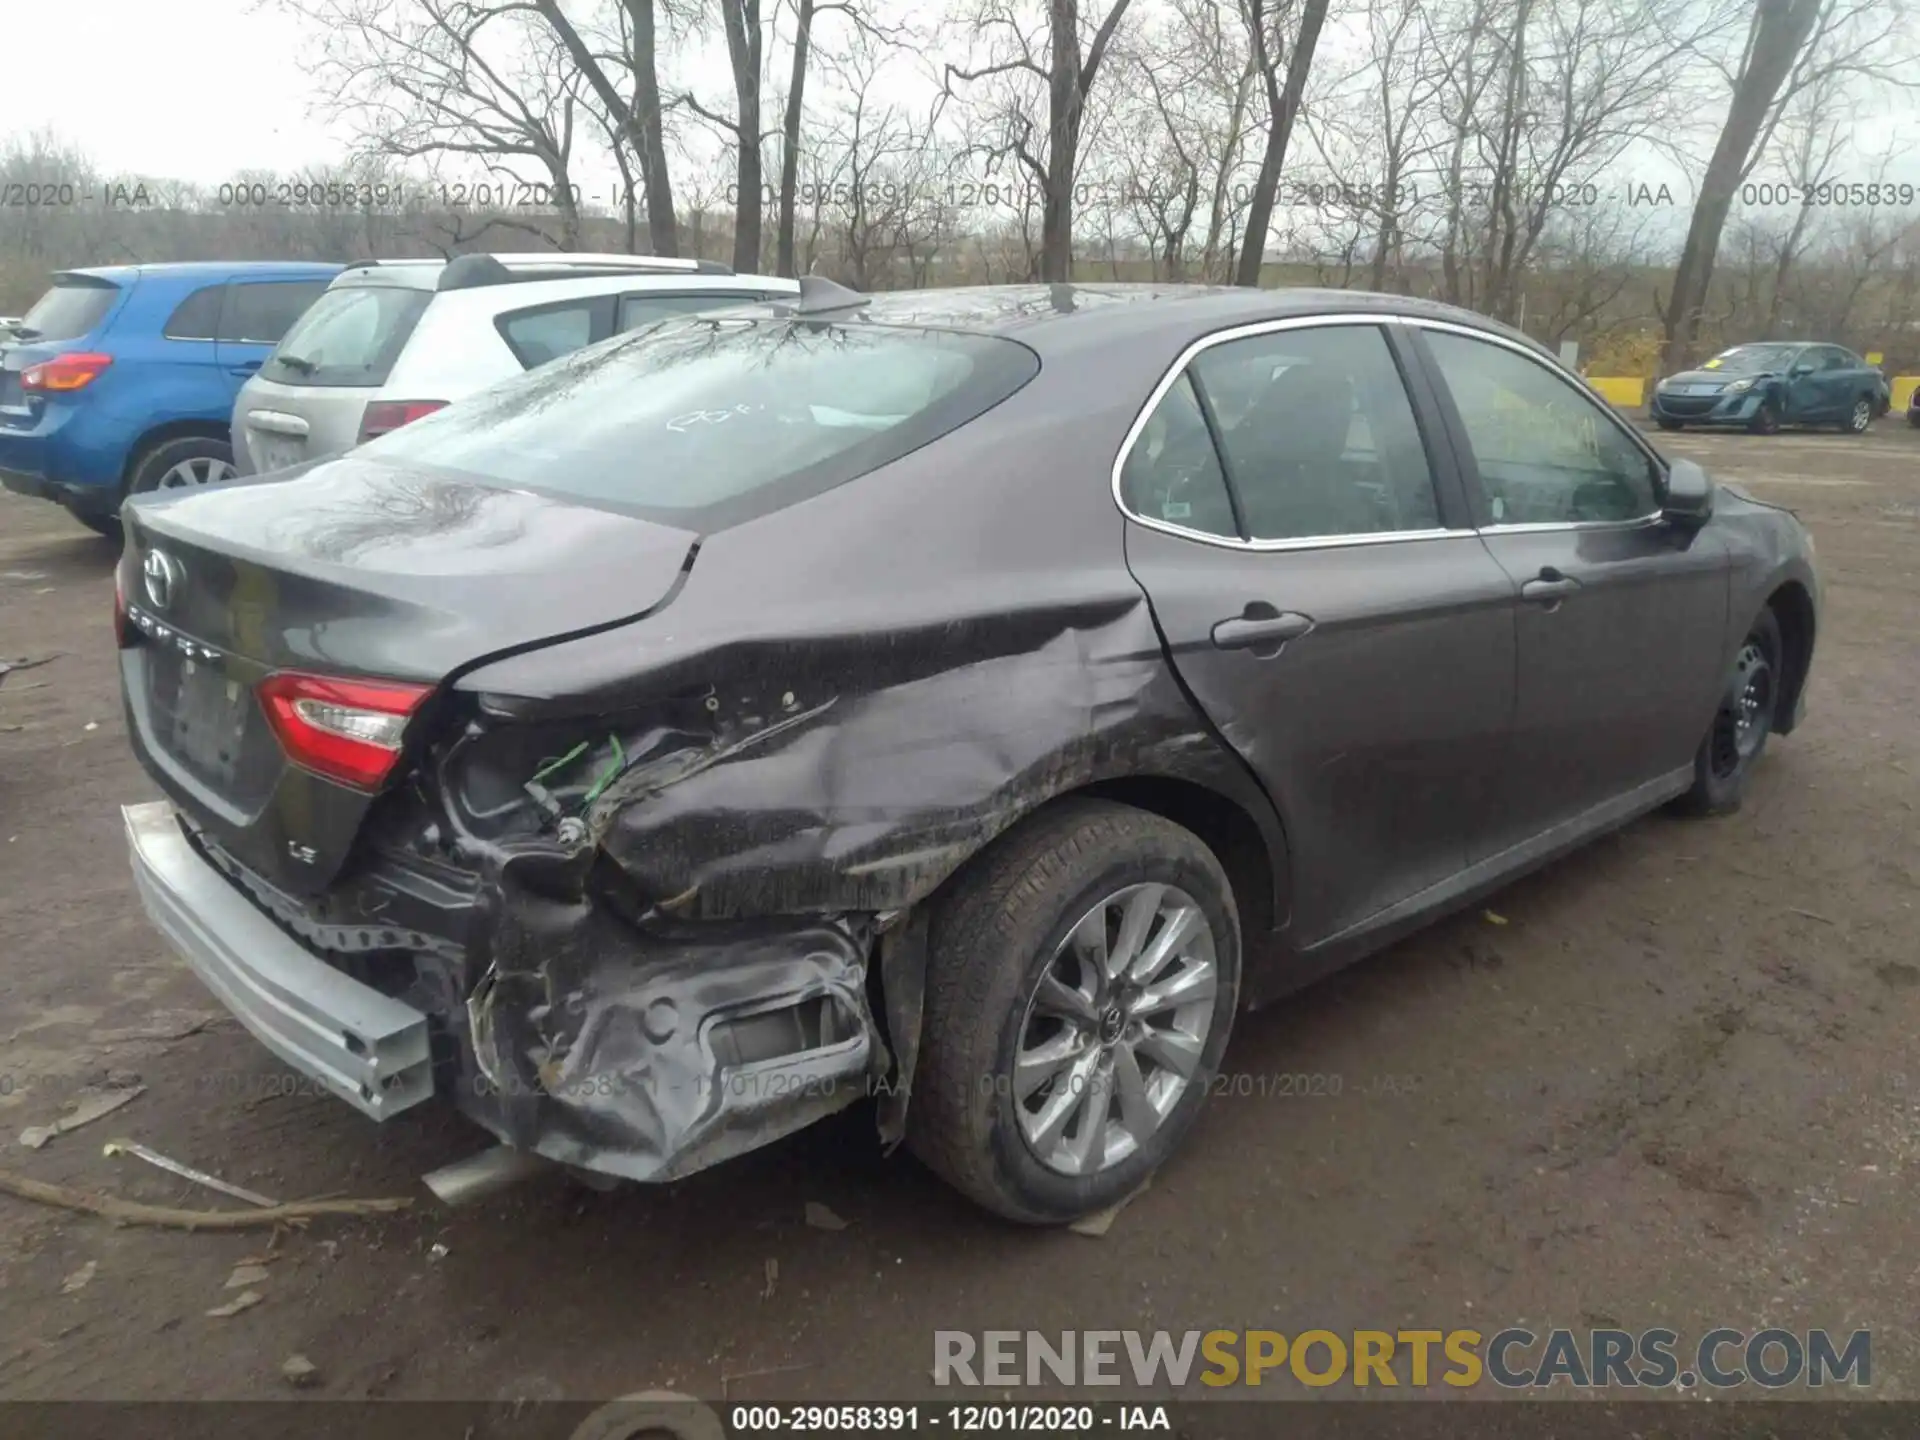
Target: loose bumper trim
[[369, 1049]]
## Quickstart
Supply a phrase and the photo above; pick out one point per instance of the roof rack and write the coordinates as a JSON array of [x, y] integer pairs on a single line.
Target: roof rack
[[466, 272]]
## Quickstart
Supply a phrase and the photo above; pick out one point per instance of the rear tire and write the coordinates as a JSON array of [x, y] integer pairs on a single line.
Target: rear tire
[[1012, 977], [186, 463], [1742, 722]]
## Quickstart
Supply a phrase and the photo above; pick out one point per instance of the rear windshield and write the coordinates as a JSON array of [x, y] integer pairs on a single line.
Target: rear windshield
[[348, 337], [69, 310], [707, 422]]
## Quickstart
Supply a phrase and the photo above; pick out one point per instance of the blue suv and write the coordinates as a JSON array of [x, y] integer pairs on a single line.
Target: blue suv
[[122, 378]]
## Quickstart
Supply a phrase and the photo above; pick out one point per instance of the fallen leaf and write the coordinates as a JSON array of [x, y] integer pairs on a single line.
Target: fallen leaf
[[300, 1372], [244, 1275], [1100, 1222], [77, 1281], [1494, 918], [773, 1279], [89, 1109], [437, 1251], [245, 1300], [821, 1218]]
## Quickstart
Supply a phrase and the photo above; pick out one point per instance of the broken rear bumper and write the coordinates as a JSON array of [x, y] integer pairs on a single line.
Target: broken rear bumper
[[369, 1049], [641, 1055]]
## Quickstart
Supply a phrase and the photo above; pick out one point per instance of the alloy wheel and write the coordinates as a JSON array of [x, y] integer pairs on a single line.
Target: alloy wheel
[[198, 470], [1862, 416], [1115, 1028]]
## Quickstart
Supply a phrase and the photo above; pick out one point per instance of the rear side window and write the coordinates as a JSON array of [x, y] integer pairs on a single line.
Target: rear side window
[[197, 317], [72, 308], [348, 337], [708, 422], [537, 336], [259, 312]]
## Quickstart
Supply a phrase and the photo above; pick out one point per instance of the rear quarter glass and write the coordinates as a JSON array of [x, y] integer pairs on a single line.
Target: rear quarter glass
[[348, 338], [705, 423]]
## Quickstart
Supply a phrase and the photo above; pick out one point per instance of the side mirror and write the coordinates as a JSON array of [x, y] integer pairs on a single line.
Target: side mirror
[[1803, 368], [1687, 497]]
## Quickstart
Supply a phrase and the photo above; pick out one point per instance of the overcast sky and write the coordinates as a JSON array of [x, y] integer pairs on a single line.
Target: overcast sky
[[190, 89], [200, 89]]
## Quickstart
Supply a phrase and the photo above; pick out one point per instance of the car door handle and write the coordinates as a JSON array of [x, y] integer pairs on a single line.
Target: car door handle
[[1549, 587], [244, 368], [1245, 632]]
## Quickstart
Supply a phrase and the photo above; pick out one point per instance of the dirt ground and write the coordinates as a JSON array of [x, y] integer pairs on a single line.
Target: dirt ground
[[1676, 1087]]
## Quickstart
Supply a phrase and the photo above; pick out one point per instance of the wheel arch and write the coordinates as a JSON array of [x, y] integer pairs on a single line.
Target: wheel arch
[[1792, 608], [154, 436]]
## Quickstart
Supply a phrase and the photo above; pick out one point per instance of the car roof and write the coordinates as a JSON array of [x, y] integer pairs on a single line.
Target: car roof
[[1069, 317], [204, 269]]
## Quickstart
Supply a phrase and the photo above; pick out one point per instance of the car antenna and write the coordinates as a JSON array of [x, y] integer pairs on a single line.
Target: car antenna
[[819, 295]]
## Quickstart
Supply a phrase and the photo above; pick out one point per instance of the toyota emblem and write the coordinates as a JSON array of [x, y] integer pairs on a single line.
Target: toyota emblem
[[163, 575]]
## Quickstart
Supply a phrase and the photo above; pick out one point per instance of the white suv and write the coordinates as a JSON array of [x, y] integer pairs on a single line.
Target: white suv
[[392, 340]]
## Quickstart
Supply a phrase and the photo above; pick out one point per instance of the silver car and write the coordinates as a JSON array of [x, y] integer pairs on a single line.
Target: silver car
[[392, 340]]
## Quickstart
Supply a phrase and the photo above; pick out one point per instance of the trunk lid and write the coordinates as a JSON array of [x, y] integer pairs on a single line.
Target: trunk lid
[[353, 568]]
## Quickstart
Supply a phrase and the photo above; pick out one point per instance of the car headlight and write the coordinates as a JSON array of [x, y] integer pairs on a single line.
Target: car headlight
[[1739, 387]]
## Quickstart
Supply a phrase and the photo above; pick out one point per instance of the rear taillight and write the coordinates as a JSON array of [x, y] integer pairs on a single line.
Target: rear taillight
[[346, 730], [384, 416], [64, 373]]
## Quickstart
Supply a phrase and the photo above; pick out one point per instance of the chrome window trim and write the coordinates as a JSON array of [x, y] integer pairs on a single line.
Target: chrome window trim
[[1379, 320], [1579, 387]]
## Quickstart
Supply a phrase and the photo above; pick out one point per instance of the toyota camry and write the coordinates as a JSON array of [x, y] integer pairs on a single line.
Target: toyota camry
[[966, 702]]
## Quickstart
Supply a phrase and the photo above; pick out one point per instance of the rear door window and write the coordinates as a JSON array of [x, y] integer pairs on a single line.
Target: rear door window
[[708, 422], [72, 308], [197, 317], [260, 312], [350, 336], [1319, 435]]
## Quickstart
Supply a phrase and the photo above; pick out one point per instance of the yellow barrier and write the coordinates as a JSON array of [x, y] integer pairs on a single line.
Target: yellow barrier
[[1629, 392], [1626, 391]]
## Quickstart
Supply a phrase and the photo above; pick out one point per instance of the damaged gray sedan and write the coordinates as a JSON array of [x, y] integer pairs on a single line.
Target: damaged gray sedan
[[968, 700]]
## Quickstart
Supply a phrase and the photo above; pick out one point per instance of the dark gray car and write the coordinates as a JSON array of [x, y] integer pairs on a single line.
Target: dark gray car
[[973, 699]]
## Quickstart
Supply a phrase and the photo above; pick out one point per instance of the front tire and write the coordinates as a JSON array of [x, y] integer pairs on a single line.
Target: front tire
[[1666, 424], [1766, 420], [1742, 722], [1083, 975], [1861, 417]]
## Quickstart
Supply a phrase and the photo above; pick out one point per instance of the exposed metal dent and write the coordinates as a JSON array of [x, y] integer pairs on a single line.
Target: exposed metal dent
[[718, 848], [652, 1053]]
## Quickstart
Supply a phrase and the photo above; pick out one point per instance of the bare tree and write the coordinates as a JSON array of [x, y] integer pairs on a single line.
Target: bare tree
[[473, 79], [1789, 45], [1069, 73], [1267, 22], [637, 115]]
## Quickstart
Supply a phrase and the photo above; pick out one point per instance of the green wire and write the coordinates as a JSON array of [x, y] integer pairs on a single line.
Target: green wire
[[547, 767], [612, 773]]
